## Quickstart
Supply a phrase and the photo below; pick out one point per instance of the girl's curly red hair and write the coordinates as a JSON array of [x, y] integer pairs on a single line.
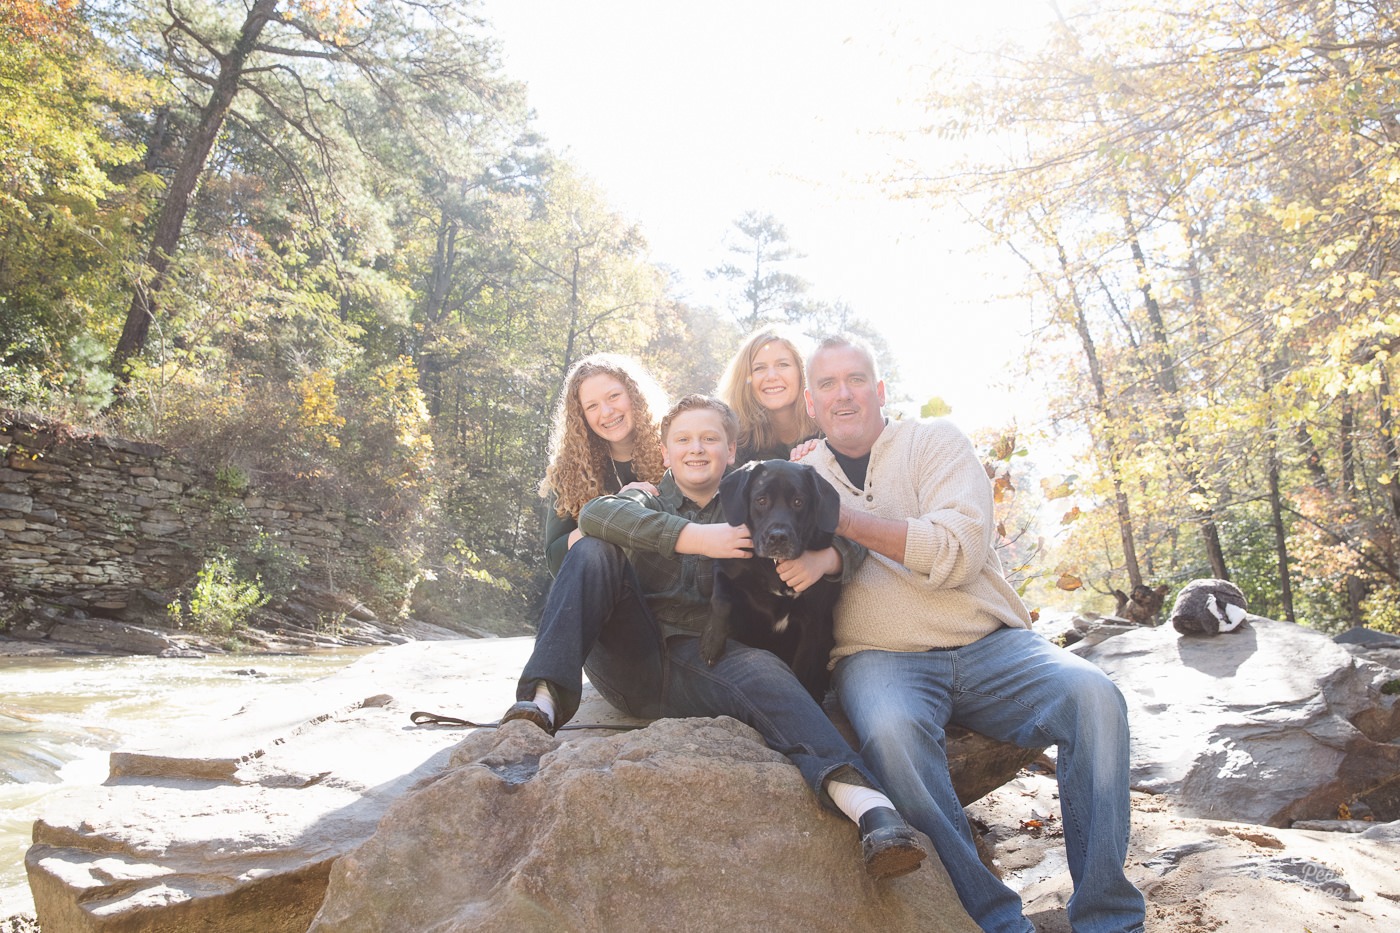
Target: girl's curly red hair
[[579, 463]]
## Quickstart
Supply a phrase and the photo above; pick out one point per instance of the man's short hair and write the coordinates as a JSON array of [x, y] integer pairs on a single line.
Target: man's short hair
[[860, 345], [697, 401]]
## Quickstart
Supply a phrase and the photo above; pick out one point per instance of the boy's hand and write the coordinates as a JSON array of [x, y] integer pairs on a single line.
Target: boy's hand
[[648, 488], [719, 540], [801, 572], [574, 537]]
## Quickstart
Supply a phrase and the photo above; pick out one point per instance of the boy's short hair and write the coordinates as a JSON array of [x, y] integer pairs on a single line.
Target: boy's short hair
[[697, 401]]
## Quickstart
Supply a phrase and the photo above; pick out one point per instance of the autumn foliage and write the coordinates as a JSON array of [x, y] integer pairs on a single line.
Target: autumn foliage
[[1204, 201]]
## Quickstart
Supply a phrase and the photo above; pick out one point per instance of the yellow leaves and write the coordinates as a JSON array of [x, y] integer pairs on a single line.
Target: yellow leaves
[[1005, 446], [1295, 216], [1334, 252], [935, 407], [318, 406], [1071, 516], [401, 401], [1069, 582], [338, 16], [1002, 449], [1057, 487]]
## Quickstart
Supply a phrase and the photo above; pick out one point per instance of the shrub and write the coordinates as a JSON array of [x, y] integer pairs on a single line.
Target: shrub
[[220, 602]]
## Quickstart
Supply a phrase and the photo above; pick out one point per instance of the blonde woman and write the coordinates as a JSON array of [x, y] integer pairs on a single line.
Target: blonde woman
[[764, 384], [604, 439]]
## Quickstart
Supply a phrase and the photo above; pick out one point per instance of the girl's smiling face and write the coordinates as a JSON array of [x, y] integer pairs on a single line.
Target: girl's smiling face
[[774, 377], [607, 408]]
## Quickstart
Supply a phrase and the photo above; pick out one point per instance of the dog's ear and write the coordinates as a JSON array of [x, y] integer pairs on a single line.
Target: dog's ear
[[828, 501], [734, 492]]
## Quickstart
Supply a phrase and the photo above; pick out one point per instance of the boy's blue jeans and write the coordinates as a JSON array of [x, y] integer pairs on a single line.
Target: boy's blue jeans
[[595, 619], [1014, 686]]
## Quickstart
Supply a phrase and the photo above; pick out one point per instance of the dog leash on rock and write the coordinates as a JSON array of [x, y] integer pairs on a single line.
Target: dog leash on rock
[[421, 718]]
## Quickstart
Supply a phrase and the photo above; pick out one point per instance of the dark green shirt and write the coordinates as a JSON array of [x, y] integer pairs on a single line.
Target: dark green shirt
[[676, 587], [557, 528]]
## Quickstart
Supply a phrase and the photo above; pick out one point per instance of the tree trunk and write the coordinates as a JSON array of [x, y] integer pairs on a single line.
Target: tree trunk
[[1356, 587], [1120, 497], [1166, 378], [1280, 535], [1389, 442], [180, 195]]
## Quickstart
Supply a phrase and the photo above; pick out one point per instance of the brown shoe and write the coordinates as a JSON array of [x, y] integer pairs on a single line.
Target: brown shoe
[[888, 843], [530, 712]]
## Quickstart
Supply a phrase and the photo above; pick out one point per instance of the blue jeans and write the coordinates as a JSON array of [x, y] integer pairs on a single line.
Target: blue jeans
[[1014, 686], [595, 619]]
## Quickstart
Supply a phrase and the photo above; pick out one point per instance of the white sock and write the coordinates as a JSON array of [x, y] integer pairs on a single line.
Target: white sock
[[545, 701], [853, 800]]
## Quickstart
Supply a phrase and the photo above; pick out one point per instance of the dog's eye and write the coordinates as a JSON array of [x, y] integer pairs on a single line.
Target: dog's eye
[[761, 500], [798, 503]]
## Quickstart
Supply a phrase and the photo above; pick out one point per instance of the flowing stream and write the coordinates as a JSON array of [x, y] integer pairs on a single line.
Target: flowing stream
[[59, 717]]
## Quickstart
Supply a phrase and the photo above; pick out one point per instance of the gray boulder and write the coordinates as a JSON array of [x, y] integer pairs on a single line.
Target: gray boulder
[[232, 824], [687, 824], [1367, 637], [1273, 724]]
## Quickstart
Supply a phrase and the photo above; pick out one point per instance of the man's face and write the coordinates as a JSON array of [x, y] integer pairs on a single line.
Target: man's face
[[697, 450], [846, 399]]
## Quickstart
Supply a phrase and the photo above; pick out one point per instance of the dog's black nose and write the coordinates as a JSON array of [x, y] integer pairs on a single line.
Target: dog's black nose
[[781, 544]]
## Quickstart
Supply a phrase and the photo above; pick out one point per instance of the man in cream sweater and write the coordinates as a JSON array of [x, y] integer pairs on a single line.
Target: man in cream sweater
[[929, 632]]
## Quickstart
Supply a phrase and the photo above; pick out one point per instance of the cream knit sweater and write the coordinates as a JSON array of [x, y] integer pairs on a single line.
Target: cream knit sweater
[[950, 590]]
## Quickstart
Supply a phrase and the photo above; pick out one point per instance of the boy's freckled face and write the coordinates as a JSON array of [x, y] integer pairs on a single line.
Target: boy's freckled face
[[697, 451]]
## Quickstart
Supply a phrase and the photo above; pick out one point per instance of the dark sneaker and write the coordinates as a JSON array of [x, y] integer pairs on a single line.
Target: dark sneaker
[[530, 712], [888, 843]]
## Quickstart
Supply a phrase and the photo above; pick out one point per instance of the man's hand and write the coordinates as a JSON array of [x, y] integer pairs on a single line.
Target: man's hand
[[885, 536], [802, 572], [718, 540]]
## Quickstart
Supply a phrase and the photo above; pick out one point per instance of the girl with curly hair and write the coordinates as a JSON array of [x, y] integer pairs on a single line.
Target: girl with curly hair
[[764, 384], [604, 439]]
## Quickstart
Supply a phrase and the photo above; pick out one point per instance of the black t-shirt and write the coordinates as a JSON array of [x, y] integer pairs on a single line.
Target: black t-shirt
[[622, 475], [853, 467]]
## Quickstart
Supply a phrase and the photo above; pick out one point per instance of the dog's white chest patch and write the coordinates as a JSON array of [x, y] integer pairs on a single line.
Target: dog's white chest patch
[[785, 591], [781, 624]]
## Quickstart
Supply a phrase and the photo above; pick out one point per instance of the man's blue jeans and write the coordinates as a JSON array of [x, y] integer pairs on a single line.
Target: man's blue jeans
[[596, 620], [1015, 686]]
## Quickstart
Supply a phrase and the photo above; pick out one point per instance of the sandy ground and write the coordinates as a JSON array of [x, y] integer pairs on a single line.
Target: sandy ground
[[1200, 874]]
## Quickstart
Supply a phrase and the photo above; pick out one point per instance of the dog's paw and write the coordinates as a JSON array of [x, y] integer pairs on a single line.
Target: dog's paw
[[712, 647]]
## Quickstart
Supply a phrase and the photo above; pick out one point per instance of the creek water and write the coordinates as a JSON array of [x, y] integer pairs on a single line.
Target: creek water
[[60, 717]]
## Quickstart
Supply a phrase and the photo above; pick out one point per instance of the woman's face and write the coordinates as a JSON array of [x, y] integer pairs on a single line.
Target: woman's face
[[773, 377], [607, 408]]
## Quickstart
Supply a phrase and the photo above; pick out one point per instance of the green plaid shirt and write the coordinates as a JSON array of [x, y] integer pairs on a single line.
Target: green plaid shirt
[[676, 586]]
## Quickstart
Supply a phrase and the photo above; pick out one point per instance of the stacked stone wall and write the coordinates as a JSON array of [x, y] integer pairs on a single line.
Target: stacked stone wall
[[109, 527]]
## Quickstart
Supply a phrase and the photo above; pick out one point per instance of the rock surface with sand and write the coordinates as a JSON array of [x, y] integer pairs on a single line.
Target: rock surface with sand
[[327, 799]]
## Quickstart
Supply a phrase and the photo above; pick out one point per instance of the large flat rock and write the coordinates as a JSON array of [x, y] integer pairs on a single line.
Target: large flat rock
[[233, 822], [1268, 724]]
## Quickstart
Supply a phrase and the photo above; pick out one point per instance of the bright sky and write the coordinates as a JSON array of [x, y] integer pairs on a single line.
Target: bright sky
[[688, 115]]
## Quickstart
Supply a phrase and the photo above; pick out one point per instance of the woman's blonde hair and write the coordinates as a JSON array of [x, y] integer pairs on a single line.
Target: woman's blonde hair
[[755, 430], [579, 462]]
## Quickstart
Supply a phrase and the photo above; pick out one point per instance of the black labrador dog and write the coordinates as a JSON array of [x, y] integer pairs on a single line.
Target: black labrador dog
[[790, 509]]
